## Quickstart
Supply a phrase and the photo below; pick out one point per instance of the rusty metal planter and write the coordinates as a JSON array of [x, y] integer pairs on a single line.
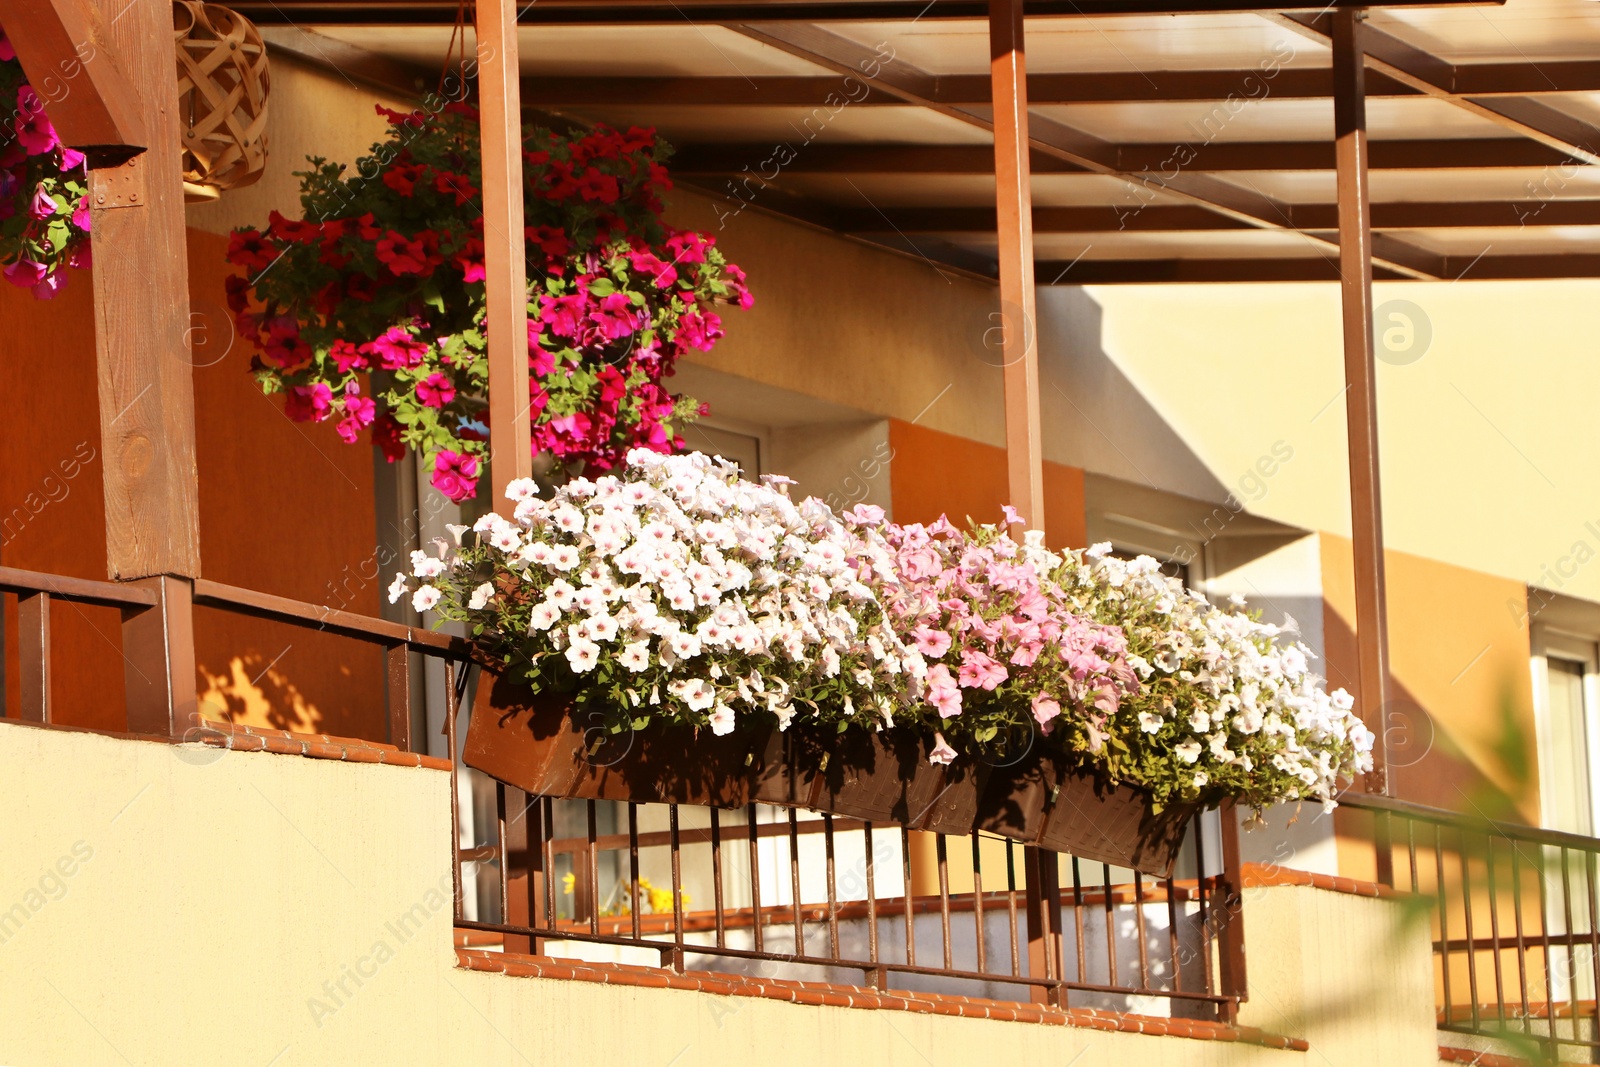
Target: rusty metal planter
[[885, 777], [1053, 801], [541, 744]]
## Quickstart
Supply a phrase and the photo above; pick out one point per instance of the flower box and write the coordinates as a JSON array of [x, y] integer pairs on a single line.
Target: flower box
[[541, 744], [1049, 800]]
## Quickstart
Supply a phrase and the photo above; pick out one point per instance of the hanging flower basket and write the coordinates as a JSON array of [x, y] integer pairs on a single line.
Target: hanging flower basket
[[369, 312], [44, 189]]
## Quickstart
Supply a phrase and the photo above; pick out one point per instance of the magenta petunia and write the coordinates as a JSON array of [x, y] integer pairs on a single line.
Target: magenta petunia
[[43, 205], [455, 475], [25, 273], [436, 390]]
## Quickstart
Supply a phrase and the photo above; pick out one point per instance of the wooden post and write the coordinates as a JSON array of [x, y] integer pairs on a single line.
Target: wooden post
[[141, 300], [1361, 394], [1014, 211], [505, 248]]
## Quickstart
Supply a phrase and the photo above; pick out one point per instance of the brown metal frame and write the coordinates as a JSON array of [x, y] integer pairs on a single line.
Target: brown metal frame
[[1486, 923]]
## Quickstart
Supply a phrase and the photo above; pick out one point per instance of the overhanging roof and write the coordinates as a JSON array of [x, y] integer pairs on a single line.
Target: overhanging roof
[[1191, 146]]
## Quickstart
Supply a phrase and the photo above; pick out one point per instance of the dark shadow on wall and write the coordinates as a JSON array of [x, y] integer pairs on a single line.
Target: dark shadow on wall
[[1095, 417]]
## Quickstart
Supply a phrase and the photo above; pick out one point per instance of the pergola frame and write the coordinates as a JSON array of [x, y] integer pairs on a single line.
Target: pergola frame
[[146, 394]]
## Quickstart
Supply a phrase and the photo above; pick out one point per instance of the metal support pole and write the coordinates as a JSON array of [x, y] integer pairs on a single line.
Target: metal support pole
[[1014, 213], [505, 248], [1361, 395]]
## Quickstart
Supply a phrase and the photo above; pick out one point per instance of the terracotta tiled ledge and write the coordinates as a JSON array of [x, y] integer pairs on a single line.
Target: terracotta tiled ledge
[[1479, 1058], [1256, 875], [316, 746], [844, 996]]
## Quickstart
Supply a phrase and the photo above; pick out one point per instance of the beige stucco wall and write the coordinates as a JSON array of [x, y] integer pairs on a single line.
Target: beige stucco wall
[[1353, 975], [179, 905], [1491, 454]]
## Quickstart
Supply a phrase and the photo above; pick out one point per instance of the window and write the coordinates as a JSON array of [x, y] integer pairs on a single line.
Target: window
[[1565, 690]]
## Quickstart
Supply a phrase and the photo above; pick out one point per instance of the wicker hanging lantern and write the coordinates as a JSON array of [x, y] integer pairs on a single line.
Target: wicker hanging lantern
[[222, 98]]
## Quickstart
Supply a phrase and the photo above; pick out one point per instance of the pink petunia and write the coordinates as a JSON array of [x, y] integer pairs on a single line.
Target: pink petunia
[[43, 205], [1044, 709], [34, 131], [25, 273], [396, 349], [941, 752], [943, 693], [979, 671], [930, 642]]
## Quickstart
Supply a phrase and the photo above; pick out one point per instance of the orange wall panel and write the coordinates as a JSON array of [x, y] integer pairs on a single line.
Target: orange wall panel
[[284, 508], [934, 473]]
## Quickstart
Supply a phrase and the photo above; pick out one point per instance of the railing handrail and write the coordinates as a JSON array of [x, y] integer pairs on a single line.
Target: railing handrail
[[208, 593], [1476, 823], [77, 590]]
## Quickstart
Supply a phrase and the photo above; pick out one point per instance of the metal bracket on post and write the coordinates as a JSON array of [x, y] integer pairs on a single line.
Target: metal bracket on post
[[159, 662], [1043, 912], [119, 186]]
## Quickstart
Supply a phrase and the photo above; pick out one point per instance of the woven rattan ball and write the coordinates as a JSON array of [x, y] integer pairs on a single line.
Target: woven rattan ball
[[222, 95]]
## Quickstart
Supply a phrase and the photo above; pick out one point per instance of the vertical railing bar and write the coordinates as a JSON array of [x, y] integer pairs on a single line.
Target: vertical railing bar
[[505, 851], [633, 867], [677, 890], [716, 876], [755, 875], [1594, 937], [1466, 909], [545, 829], [1566, 903], [455, 792], [794, 881], [1077, 920], [1444, 921], [1011, 907], [872, 902], [1411, 852], [910, 919], [33, 643], [1522, 947], [833, 895], [941, 852], [1544, 934], [1172, 934], [1139, 930], [592, 857], [1111, 925], [1205, 914], [977, 902], [1494, 930]]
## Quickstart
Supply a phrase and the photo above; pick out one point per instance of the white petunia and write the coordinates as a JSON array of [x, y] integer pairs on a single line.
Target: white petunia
[[481, 596], [397, 588], [583, 654], [425, 598], [635, 656], [1189, 751]]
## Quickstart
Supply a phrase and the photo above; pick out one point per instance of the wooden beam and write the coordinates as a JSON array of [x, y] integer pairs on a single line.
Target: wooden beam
[[1427, 73], [1018, 319], [1137, 161], [1087, 271], [71, 62], [1050, 89], [678, 12], [505, 258], [847, 57], [1361, 383], [1187, 217]]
